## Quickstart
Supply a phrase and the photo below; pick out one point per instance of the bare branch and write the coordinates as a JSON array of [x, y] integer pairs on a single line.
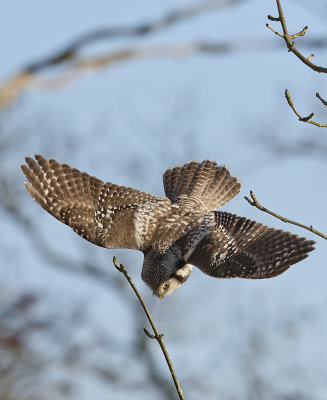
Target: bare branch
[[70, 55], [157, 335], [288, 39], [306, 60], [277, 33], [74, 63], [302, 119], [271, 18], [254, 202], [324, 102], [76, 67], [168, 20], [301, 33]]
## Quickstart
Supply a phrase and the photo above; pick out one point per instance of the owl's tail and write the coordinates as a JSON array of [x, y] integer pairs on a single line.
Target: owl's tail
[[207, 183]]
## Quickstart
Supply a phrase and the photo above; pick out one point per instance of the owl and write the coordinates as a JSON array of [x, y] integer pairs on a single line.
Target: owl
[[176, 232]]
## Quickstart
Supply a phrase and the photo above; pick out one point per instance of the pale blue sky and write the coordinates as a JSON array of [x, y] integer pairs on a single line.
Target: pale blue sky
[[163, 112]]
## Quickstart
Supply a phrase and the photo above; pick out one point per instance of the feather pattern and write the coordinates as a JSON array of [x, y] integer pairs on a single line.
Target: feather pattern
[[239, 247], [175, 232]]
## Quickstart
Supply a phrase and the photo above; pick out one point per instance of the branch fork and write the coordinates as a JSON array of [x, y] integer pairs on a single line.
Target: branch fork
[[306, 60]]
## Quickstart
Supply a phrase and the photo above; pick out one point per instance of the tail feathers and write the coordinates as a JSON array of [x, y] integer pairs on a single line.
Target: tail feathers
[[211, 185]]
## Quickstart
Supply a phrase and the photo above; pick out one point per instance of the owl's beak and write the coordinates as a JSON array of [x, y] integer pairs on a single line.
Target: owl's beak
[[160, 297]]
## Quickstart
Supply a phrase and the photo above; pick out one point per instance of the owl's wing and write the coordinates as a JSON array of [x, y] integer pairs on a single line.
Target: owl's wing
[[239, 247], [105, 214], [204, 186]]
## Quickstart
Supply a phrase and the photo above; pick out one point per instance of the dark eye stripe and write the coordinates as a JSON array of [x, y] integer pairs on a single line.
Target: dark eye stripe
[[179, 278], [181, 264]]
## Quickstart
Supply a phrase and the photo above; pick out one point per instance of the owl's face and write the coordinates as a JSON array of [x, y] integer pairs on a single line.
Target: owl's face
[[175, 281], [165, 273]]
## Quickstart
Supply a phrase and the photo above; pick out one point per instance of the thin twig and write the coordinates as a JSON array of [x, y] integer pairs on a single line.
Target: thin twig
[[77, 64], [306, 60], [303, 119], [288, 39], [254, 202], [272, 29], [324, 102], [157, 335], [71, 55], [76, 67], [166, 21]]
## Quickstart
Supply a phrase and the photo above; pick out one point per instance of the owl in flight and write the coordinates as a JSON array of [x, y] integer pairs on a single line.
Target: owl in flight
[[175, 232]]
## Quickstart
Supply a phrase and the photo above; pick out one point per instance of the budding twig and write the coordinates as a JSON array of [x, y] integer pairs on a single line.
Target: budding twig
[[288, 39], [254, 202], [306, 60], [303, 119], [324, 102], [157, 336]]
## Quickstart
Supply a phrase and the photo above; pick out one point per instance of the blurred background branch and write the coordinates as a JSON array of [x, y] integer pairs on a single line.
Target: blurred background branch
[[71, 63], [66, 320]]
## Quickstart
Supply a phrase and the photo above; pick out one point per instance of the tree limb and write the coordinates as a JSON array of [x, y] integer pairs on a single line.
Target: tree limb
[[288, 39], [324, 102], [307, 118], [254, 202], [306, 60], [76, 66], [70, 54], [74, 63], [151, 27], [157, 335]]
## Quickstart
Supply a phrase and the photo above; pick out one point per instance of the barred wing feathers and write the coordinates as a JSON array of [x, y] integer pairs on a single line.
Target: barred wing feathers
[[105, 214], [239, 247]]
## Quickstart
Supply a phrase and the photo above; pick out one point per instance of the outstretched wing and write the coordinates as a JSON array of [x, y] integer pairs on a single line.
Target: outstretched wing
[[239, 247], [105, 214], [205, 186]]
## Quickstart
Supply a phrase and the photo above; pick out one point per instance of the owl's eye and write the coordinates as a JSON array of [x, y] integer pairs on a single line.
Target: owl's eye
[[166, 286]]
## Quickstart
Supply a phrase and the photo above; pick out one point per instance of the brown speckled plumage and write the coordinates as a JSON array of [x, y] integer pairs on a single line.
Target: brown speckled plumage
[[175, 232]]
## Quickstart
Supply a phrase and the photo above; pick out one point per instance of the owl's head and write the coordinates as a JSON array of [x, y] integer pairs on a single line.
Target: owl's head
[[165, 272]]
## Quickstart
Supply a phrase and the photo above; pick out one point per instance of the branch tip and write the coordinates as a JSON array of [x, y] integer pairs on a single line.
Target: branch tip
[[324, 102], [288, 39], [301, 33], [149, 335], [248, 200], [271, 18], [260, 207], [306, 119], [272, 29], [303, 119]]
